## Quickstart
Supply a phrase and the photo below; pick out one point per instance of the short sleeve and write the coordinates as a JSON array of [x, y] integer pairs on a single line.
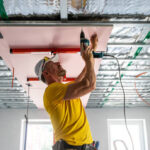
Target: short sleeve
[[55, 93]]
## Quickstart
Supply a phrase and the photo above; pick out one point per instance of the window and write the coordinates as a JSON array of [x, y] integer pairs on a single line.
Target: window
[[39, 135], [119, 138]]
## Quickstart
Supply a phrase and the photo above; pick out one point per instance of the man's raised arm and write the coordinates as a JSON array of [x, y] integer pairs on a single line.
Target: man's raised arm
[[94, 42], [87, 84]]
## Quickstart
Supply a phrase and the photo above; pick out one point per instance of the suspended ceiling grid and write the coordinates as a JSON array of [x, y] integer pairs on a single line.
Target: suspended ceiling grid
[[124, 41], [12, 97]]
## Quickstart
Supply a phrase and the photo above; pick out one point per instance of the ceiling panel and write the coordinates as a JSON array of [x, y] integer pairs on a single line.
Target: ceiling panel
[[45, 37]]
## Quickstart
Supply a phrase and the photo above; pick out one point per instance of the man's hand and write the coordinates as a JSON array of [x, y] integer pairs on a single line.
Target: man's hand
[[94, 41], [88, 58], [87, 55]]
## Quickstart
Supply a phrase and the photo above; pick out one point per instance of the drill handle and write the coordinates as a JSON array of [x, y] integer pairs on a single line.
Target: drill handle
[[98, 55]]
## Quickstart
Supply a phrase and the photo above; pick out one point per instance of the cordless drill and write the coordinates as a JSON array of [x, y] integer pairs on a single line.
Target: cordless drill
[[86, 44]]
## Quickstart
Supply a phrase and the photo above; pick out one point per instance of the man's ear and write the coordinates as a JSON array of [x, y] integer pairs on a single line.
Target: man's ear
[[45, 73]]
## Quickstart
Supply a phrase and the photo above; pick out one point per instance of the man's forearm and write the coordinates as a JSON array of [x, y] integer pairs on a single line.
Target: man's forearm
[[81, 75], [90, 74]]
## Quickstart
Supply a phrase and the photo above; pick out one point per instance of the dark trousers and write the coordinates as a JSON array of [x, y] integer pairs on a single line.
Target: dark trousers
[[62, 145]]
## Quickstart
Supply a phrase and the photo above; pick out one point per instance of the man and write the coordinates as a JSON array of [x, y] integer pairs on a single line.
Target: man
[[62, 101]]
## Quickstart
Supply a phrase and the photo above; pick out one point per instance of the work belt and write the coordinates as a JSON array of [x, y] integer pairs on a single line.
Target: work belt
[[62, 145]]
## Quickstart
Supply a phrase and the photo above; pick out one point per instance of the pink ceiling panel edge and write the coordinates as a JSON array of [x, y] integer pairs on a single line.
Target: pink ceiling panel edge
[[46, 37]]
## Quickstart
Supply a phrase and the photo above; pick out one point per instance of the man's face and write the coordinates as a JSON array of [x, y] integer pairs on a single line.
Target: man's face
[[55, 69]]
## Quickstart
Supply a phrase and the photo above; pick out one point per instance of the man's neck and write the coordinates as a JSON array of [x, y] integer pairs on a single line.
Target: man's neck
[[50, 81]]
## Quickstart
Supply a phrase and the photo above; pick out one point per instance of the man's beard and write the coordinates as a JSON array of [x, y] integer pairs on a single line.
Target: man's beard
[[62, 73]]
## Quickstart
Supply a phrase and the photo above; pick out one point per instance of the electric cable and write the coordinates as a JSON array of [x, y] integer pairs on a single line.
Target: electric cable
[[139, 95], [26, 117], [124, 104], [121, 141], [100, 55]]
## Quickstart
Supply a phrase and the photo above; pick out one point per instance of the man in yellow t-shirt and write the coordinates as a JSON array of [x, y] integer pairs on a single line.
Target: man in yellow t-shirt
[[63, 104]]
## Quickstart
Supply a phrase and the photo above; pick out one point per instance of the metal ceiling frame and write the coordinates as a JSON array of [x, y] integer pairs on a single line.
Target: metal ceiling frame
[[128, 45], [75, 23], [63, 10]]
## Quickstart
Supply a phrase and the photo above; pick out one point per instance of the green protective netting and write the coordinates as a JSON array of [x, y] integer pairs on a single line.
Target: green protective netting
[[3, 13]]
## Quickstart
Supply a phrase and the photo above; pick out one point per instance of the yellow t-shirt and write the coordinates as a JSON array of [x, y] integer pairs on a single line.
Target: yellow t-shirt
[[67, 116]]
